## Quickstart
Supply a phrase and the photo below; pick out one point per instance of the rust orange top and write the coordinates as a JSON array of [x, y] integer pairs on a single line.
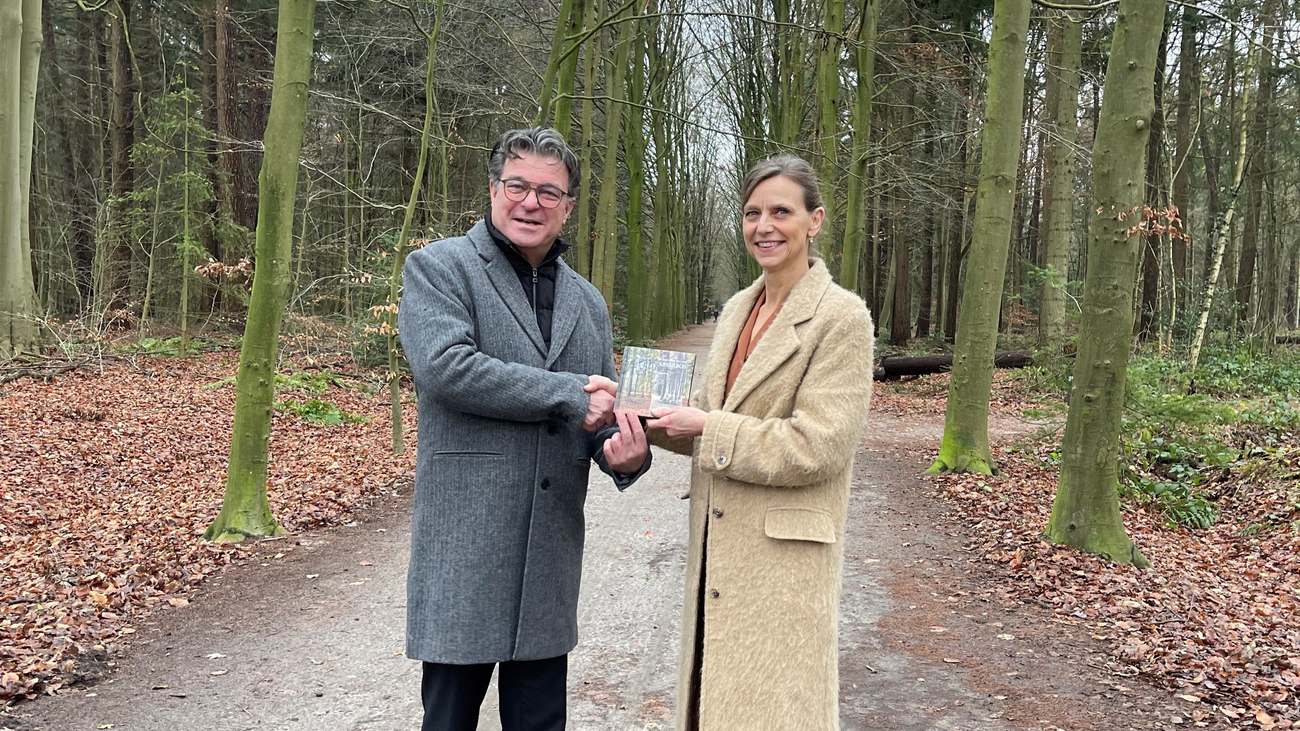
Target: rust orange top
[[749, 337]]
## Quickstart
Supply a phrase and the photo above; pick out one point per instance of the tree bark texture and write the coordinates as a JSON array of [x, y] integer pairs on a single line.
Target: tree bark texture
[[116, 267], [1149, 309], [1257, 169], [965, 445], [605, 239], [1086, 511], [1188, 90], [20, 54], [828, 124], [1064, 43], [245, 511], [855, 224]]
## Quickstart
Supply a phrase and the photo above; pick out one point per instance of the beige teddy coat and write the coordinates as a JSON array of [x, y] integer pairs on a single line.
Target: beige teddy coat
[[771, 479]]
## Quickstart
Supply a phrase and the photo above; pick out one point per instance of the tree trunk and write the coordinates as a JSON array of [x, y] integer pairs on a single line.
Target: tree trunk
[[114, 290], [1063, 85], [77, 154], [634, 152], [901, 227], [582, 241], [212, 212], [1255, 174], [245, 511], [605, 254], [965, 446], [1220, 234], [828, 124], [1086, 512], [20, 53], [855, 228], [957, 243], [548, 113], [1270, 270], [404, 235], [925, 297], [227, 101], [892, 367], [1188, 89], [900, 313], [1150, 307]]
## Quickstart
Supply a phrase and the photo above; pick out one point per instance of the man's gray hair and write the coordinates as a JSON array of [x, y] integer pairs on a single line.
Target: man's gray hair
[[540, 141]]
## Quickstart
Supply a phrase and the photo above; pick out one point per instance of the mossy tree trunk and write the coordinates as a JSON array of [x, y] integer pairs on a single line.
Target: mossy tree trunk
[[245, 512], [965, 446], [581, 257], [828, 124], [1086, 512], [1064, 42], [855, 225], [555, 104], [20, 56], [605, 239], [634, 150]]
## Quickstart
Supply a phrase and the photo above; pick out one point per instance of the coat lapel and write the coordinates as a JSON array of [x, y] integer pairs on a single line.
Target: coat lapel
[[506, 282], [781, 339], [724, 342], [568, 308]]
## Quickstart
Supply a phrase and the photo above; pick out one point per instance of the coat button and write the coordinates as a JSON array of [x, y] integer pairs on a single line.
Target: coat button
[[717, 512], [714, 593], [546, 483], [722, 459]]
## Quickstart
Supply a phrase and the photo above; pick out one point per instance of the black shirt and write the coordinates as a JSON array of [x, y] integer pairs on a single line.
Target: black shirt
[[539, 282]]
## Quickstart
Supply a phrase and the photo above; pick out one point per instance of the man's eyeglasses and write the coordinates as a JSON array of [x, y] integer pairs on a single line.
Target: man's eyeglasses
[[547, 196]]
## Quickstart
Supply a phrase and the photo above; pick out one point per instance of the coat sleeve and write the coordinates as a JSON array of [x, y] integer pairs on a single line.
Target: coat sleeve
[[820, 436], [435, 322]]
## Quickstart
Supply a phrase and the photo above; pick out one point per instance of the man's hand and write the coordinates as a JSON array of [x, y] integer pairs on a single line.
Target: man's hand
[[625, 451], [600, 404], [678, 421]]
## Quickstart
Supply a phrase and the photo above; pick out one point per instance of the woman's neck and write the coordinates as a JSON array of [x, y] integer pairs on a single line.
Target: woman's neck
[[779, 282]]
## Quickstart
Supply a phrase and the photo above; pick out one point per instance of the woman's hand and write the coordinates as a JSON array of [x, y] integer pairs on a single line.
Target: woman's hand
[[678, 421]]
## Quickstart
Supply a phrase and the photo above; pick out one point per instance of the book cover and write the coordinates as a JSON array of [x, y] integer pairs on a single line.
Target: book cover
[[653, 378]]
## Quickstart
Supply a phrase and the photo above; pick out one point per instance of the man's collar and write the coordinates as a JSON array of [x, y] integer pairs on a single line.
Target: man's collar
[[558, 247]]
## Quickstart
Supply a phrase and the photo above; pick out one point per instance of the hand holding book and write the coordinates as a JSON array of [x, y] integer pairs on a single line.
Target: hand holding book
[[678, 421]]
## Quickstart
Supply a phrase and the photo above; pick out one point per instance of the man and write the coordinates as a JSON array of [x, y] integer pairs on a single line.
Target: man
[[512, 356]]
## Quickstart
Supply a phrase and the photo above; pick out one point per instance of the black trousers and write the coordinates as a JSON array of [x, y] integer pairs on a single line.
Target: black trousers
[[532, 694]]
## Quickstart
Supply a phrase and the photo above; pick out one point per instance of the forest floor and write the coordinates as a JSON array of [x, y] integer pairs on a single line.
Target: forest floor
[[955, 614]]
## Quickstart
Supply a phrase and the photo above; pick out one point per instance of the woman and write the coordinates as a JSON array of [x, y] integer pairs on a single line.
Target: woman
[[782, 409]]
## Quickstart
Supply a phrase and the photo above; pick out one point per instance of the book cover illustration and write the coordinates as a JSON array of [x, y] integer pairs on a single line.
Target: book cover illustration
[[652, 378]]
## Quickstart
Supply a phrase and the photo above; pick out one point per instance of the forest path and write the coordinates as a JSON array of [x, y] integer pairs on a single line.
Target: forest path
[[311, 637]]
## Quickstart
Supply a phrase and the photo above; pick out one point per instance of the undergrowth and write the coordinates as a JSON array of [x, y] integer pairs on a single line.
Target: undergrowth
[[1183, 449], [1187, 447]]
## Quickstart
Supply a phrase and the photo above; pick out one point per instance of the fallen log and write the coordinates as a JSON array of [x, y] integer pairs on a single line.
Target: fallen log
[[1287, 339], [893, 367]]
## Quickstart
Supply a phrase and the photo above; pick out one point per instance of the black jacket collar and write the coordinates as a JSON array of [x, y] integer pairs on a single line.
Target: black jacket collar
[[512, 252]]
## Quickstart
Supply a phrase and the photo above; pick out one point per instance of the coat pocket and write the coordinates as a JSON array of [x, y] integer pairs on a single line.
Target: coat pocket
[[799, 524]]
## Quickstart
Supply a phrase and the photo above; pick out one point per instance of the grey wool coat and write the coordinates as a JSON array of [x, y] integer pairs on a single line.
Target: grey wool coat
[[502, 465]]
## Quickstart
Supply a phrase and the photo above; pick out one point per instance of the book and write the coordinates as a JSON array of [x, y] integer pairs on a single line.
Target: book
[[652, 378]]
